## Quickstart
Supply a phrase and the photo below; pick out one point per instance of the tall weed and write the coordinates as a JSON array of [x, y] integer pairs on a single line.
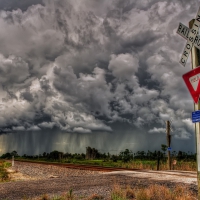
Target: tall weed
[[153, 192]]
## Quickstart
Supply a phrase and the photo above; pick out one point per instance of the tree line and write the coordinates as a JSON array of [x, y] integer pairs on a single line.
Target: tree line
[[92, 154]]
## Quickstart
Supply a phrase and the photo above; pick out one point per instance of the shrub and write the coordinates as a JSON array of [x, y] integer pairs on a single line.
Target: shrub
[[153, 192], [4, 175], [45, 197], [118, 193], [7, 164], [95, 197], [114, 158]]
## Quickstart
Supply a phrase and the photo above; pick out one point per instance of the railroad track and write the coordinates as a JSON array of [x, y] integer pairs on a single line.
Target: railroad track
[[81, 166], [112, 169]]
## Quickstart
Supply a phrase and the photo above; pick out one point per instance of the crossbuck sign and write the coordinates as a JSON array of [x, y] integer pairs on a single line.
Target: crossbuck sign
[[192, 37], [184, 31]]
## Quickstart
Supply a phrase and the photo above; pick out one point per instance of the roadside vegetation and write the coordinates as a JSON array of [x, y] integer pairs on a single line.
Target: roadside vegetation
[[126, 159], [153, 192], [4, 175]]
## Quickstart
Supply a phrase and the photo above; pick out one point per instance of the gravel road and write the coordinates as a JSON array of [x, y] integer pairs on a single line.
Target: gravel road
[[83, 182]]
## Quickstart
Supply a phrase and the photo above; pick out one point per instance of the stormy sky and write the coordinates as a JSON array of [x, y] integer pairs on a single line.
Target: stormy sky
[[104, 74]]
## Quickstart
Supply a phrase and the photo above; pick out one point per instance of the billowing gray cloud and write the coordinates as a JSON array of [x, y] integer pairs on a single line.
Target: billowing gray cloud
[[10, 5], [82, 67]]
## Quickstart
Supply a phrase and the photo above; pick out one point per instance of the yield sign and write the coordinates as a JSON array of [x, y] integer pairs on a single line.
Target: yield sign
[[192, 82]]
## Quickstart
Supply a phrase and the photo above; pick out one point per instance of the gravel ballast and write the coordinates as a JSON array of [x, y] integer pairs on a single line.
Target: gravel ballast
[[82, 182]]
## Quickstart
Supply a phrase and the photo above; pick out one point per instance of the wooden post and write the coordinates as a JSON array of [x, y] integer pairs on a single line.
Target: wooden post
[[158, 161], [195, 63], [13, 161], [168, 143]]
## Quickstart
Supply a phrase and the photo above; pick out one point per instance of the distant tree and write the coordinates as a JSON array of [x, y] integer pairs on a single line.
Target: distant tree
[[164, 148], [140, 155], [48, 155], [108, 155], [55, 154], [83, 156], [88, 152], [104, 157], [44, 154], [174, 153], [6, 156], [114, 158], [126, 155], [14, 153], [91, 153], [180, 155], [67, 155]]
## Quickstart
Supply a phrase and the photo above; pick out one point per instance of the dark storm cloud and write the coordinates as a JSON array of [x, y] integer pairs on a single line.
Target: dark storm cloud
[[140, 40], [27, 96], [81, 67]]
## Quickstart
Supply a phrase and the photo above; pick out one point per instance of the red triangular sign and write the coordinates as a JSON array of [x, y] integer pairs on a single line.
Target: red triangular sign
[[192, 82]]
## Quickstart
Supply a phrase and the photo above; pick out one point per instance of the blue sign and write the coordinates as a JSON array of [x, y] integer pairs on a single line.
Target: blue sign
[[196, 116], [169, 148]]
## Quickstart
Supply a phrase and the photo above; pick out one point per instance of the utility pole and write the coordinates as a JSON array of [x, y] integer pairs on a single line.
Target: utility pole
[[168, 143], [195, 63]]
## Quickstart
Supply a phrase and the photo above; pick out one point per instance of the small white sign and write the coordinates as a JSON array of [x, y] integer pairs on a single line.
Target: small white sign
[[12, 161]]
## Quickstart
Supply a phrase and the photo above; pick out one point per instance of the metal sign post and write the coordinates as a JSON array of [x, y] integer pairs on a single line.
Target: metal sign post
[[193, 41], [195, 63]]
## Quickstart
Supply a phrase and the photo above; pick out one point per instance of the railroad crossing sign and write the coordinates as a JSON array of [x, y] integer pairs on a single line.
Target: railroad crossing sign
[[184, 31], [191, 79], [191, 37]]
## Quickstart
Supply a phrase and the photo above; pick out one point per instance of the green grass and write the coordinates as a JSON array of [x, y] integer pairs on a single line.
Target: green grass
[[6, 164]]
